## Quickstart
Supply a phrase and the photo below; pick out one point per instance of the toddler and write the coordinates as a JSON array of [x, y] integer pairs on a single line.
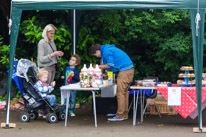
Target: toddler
[[71, 75], [44, 88]]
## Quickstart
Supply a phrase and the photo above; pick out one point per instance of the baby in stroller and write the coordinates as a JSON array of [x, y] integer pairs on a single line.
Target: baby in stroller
[[44, 88], [34, 98]]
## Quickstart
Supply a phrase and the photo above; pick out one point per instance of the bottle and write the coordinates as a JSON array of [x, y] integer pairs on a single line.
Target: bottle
[[110, 77], [84, 69], [84, 77], [97, 77], [91, 70]]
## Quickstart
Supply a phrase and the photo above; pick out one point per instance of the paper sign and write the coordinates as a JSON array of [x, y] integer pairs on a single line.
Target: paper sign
[[174, 96]]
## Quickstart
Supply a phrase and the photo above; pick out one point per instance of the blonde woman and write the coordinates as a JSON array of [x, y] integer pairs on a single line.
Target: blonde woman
[[48, 55]]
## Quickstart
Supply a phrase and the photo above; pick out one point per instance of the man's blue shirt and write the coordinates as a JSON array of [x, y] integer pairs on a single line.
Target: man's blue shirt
[[114, 57]]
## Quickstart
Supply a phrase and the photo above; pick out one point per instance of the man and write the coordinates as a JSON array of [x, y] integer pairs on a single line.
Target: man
[[116, 60]]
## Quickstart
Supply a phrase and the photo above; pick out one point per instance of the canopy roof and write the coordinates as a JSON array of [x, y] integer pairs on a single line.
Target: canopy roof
[[106, 4]]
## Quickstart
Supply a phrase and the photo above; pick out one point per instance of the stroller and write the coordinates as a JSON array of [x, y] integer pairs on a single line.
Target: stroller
[[26, 73]]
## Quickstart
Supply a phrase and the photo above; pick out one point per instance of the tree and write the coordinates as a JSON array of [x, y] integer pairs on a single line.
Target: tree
[[4, 17]]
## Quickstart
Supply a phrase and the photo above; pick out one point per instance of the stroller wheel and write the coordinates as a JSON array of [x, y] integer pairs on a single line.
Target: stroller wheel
[[61, 116], [52, 118], [24, 117], [33, 115]]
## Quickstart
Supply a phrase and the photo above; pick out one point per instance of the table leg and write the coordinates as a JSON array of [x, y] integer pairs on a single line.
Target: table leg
[[94, 108], [67, 104], [142, 105], [134, 111]]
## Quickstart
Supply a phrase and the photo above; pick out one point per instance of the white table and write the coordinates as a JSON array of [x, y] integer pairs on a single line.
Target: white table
[[135, 102], [68, 88]]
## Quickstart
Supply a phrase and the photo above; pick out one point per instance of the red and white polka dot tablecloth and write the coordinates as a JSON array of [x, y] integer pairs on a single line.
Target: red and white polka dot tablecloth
[[188, 100]]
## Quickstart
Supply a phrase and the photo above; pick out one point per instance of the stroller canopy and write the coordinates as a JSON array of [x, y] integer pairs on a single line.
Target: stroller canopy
[[23, 67]]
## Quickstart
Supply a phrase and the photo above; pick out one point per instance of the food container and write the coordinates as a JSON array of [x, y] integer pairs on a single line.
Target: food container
[[105, 83], [176, 85], [110, 77], [169, 84], [148, 83], [181, 75], [139, 82]]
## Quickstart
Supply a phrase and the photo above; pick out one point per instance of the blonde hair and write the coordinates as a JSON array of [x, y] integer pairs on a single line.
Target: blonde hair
[[42, 72], [48, 28]]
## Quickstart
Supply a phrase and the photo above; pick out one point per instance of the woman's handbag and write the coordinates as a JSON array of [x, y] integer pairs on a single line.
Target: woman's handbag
[[58, 68]]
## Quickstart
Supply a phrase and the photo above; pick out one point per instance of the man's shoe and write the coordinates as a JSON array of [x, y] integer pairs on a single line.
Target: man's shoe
[[116, 118], [111, 115]]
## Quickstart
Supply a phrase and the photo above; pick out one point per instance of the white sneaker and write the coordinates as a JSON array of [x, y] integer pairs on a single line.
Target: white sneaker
[[40, 115], [72, 114]]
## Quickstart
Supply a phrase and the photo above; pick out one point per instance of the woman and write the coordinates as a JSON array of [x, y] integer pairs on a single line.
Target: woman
[[48, 55]]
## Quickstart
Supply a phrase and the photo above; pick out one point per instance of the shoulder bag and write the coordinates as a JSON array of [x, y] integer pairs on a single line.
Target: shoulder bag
[[58, 68]]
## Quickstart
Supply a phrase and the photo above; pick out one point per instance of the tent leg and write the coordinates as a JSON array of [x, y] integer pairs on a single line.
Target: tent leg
[[74, 31], [198, 130], [16, 17], [6, 126], [76, 14], [198, 40]]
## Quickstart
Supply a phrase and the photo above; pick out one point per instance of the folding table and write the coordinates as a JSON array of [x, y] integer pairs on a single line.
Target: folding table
[[135, 102], [70, 87]]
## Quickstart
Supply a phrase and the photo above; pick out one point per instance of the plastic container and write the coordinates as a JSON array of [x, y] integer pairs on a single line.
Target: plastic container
[[169, 84], [187, 85], [84, 77], [110, 77], [84, 69], [139, 82], [146, 83], [97, 77], [176, 85], [90, 70]]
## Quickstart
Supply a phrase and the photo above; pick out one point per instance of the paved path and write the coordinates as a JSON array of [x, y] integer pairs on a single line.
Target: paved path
[[83, 126]]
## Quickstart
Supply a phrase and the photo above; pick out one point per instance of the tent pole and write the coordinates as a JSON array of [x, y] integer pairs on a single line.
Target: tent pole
[[16, 17], [74, 31], [198, 38]]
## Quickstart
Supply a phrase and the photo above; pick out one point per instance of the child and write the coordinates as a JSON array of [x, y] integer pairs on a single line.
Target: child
[[71, 75], [43, 88]]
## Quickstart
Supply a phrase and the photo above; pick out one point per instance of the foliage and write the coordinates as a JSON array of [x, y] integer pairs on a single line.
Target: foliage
[[18, 95], [83, 97], [2, 98], [4, 55], [158, 41], [179, 45]]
